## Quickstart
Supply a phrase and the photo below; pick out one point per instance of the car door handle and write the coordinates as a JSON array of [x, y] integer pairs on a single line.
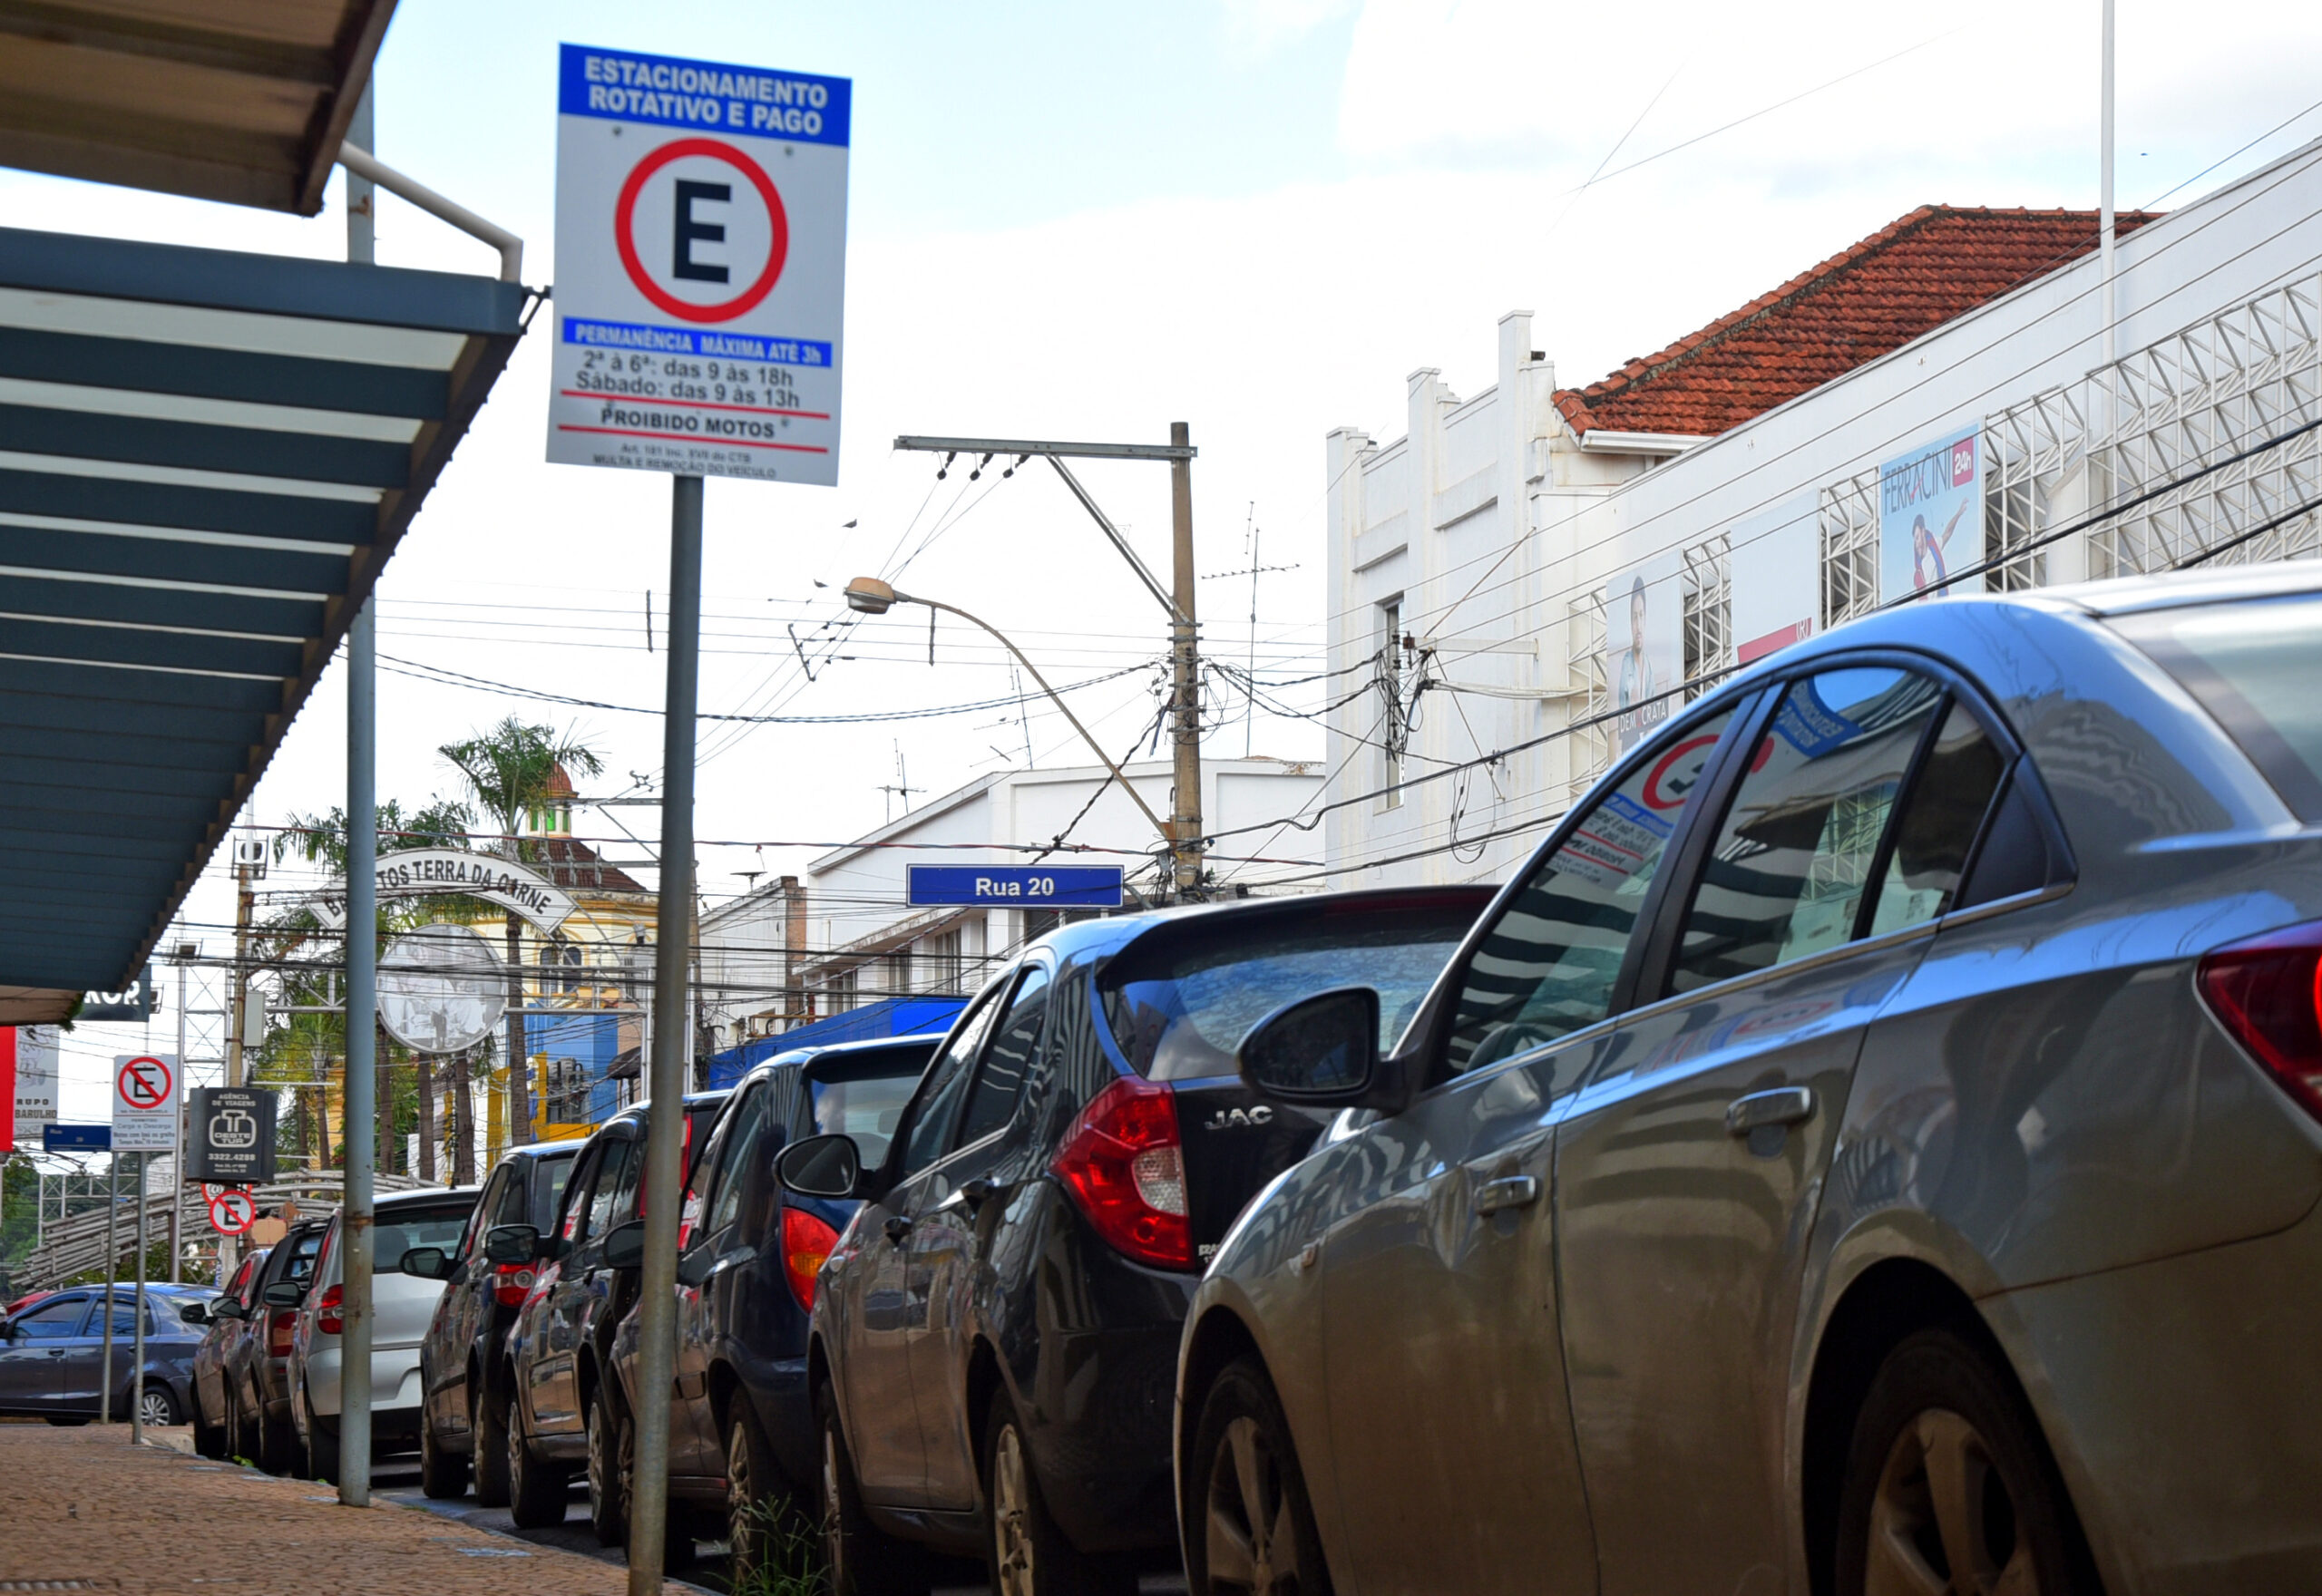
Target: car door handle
[[1507, 1191], [1782, 1106], [897, 1227]]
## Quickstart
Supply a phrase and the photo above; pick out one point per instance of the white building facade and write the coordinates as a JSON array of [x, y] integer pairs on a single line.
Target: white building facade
[[1481, 567]]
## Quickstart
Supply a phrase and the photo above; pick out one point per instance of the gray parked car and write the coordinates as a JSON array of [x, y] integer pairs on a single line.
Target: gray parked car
[[1874, 1145], [52, 1354]]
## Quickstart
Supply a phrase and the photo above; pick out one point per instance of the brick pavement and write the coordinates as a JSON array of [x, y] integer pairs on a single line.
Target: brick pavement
[[84, 1504]]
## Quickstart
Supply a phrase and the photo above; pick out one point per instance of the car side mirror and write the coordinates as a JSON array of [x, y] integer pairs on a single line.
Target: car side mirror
[[1321, 1051], [193, 1313], [427, 1263], [227, 1307], [820, 1166], [625, 1245], [512, 1244], [283, 1294]]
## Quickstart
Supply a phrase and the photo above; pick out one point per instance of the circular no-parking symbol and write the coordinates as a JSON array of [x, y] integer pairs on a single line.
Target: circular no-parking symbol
[[232, 1213], [711, 230], [143, 1083]]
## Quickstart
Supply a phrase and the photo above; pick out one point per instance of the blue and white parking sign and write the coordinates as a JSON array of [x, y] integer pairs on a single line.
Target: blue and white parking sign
[[1016, 886], [700, 267]]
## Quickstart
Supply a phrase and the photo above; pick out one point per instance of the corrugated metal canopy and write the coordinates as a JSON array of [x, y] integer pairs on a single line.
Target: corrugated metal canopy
[[205, 459], [243, 101]]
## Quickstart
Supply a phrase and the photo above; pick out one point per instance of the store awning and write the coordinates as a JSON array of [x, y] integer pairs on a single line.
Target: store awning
[[205, 459], [244, 100]]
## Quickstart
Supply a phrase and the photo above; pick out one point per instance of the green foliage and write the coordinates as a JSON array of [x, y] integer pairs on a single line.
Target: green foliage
[[793, 1564], [19, 1210], [509, 770]]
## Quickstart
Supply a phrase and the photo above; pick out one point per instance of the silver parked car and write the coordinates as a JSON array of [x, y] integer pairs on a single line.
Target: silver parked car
[[1873, 1146], [402, 1305]]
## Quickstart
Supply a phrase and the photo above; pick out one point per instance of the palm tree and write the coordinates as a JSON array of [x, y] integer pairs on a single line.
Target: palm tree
[[510, 771]]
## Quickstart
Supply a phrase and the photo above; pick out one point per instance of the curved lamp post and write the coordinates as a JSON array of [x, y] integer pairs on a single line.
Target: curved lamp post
[[869, 595]]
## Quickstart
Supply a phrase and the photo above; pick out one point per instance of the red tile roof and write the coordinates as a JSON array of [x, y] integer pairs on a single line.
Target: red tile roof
[[575, 867], [1909, 277]]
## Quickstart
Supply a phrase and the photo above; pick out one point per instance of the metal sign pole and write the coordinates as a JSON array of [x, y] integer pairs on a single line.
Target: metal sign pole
[[665, 1131], [113, 1259], [177, 1153], [137, 1331]]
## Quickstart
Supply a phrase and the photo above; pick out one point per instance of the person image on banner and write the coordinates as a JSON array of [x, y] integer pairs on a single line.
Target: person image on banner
[[1928, 549]]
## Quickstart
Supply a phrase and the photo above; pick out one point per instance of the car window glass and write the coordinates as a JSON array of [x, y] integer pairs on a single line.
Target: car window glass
[[576, 1196], [401, 1228], [52, 1321], [547, 1190], [240, 1288], [866, 1107], [1940, 820], [745, 1143], [938, 1100], [1547, 966], [2252, 665], [487, 1208], [124, 1318], [616, 1187], [1787, 874], [1001, 1080], [299, 1266]]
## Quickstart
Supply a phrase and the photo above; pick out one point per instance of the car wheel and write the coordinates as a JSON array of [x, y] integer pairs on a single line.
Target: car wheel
[[1249, 1523], [536, 1490], [443, 1475], [859, 1559], [277, 1445], [607, 1471], [231, 1428], [760, 1517], [209, 1439], [1029, 1553], [1949, 1486], [66, 1424], [157, 1404], [322, 1450], [488, 1446]]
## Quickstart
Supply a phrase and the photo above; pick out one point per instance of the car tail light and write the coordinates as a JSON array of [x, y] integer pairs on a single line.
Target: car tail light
[[1125, 1166], [510, 1283], [327, 1319], [2267, 992], [806, 1243], [280, 1324]]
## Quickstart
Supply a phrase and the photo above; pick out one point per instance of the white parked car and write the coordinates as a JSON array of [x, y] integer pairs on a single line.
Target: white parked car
[[402, 1304]]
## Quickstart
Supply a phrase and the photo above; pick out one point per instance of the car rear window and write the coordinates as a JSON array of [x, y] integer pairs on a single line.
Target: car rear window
[[403, 1228], [2255, 666], [866, 1102], [1181, 1001], [548, 1189]]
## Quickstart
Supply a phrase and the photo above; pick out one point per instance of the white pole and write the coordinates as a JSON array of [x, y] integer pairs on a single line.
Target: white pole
[[177, 1149], [2104, 198]]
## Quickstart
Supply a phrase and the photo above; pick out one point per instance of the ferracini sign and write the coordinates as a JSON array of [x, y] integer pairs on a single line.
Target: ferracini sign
[[426, 871]]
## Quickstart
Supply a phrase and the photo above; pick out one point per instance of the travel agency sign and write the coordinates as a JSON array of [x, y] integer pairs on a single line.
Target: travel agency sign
[[700, 267]]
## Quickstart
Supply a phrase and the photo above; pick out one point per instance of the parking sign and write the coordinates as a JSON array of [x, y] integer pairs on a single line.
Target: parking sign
[[144, 1102], [700, 267]]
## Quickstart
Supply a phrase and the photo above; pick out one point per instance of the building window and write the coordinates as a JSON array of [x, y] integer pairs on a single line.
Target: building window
[[841, 987], [938, 961], [1394, 732], [567, 1093]]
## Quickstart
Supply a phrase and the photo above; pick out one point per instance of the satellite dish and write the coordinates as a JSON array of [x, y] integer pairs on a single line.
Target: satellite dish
[[441, 989]]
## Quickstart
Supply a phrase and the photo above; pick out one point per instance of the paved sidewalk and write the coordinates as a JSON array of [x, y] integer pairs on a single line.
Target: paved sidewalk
[[83, 1504]]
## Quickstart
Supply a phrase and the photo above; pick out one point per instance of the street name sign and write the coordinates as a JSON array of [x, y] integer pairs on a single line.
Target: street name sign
[[57, 1138], [700, 267], [232, 1213], [144, 1102], [1016, 886], [229, 1136]]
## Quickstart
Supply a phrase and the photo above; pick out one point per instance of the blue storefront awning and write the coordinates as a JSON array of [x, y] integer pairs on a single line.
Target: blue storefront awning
[[889, 1016], [206, 458]]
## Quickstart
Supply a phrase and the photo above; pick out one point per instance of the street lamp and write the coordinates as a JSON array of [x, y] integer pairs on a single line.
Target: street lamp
[[869, 595]]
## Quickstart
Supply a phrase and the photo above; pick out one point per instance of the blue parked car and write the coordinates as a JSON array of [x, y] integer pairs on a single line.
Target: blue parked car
[[742, 1426], [52, 1354]]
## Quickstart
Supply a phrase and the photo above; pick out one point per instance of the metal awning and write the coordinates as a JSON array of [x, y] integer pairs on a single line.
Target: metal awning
[[205, 459], [244, 100]]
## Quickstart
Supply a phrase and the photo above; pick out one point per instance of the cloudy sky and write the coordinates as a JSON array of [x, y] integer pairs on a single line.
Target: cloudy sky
[[1073, 220]]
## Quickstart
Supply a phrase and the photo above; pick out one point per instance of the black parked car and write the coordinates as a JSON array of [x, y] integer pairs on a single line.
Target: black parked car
[[227, 1322], [562, 1342], [52, 1354], [742, 1426], [462, 1359], [255, 1367], [995, 1337]]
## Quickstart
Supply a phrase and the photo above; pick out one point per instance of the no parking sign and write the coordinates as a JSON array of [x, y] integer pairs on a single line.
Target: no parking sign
[[144, 1102], [700, 267]]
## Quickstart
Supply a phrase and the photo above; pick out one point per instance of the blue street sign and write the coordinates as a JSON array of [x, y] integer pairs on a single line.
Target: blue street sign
[[76, 1138], [1017, 885]]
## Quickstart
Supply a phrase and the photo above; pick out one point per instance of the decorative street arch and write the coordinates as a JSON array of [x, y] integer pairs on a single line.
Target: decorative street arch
[[434, 871]]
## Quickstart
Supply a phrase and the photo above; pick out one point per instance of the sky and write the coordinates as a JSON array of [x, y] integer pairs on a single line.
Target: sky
[[1076, 221]]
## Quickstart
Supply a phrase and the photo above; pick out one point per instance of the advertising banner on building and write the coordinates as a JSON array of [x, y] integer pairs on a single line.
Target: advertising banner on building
[[1645, 647], [35, 1095], [1776, 568], [700, 267], [1931, 518]]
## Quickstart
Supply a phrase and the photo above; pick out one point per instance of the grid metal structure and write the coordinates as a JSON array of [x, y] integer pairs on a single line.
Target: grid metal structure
[[1849, 516], [1590, 746], [2035, 459], [1708, 610]]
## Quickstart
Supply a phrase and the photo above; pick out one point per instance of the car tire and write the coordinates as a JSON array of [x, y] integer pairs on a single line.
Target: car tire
[[322, 1450], [859, 1559], [488, 1446], [443, 1475], [161, 1406], [231, 1429], [63, 1423], [1029, 1553], [209, 1439], [536, 1490], [762, 1518], [610, 1446], [1249, 1523], [277, 1445], [1947, 1463]]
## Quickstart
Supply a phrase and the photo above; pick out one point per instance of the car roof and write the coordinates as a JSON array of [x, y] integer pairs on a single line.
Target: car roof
[[543, 1149], [1081, 938], [842, 1051], [2206, 585], [387, 1202]]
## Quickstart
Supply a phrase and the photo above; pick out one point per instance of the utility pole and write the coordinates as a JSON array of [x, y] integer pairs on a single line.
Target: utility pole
[[1185, 828]]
